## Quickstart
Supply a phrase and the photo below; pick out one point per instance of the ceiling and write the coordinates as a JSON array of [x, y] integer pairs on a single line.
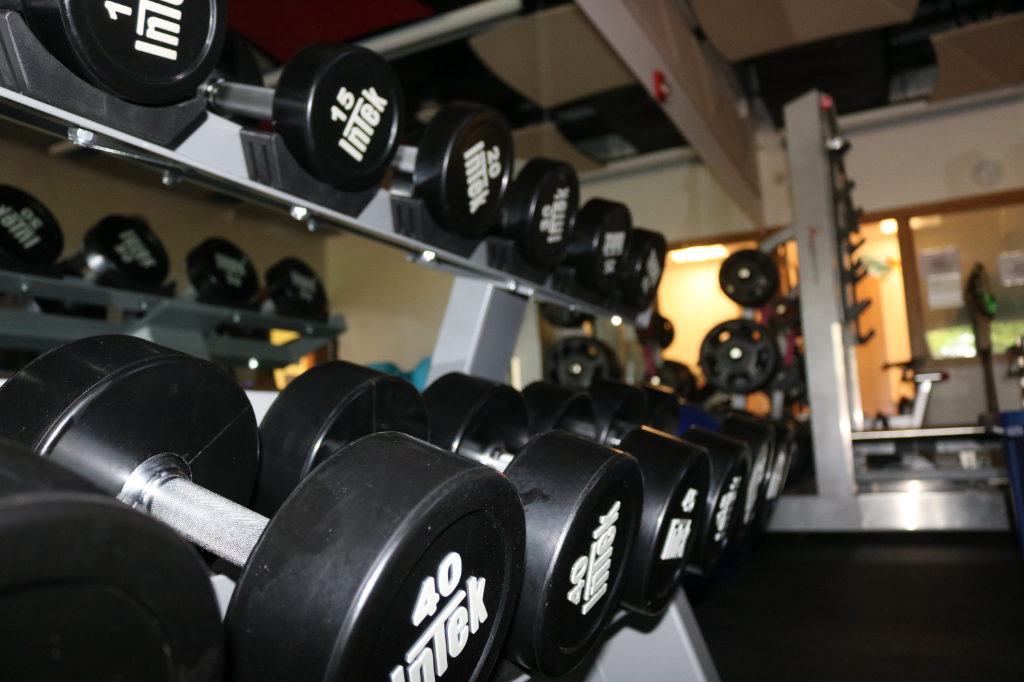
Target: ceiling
[[861, 71]]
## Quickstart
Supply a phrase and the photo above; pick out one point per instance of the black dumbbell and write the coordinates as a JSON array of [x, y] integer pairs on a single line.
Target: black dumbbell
[[346, 580], [785, 453], [641, 267], [659, 331], [461, 169], [759, 434], [749, 277], [30, 236], [739, 356], [151, 52], [662, 409], [123, 252], [295, 290], [583, 508], [90, 590], [730, 470], [540, 210], [620, 409], [598, 243], [578, 360], [338, 108], [222, 274], [676, 480]]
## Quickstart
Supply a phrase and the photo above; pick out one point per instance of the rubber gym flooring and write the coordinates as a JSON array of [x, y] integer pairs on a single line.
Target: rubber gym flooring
[[831, 608]]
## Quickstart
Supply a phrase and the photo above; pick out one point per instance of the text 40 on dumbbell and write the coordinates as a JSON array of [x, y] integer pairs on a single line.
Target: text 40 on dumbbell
[[589, 574], [448, 633]]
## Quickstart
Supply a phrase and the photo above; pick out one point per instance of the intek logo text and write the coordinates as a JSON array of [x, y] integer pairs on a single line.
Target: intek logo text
[[305, 285], [157, 22], [612, 248], [23, 225], [132, 249], [552, 220], [679, 529], [725, 505], [448, 633], [361, 117], [590, 574], [481, 166], [233, 268]]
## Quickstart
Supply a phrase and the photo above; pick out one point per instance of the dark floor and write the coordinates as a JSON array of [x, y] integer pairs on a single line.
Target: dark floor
[[873, 608]]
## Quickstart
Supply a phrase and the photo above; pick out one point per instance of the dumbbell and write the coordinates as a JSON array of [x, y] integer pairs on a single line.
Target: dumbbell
[[785, 452], [122, 252], [90, 590], [676, 479], [461, 169], [295, 290], [620, 409], [152, 52], [540, 210], [583, 511], [739, 356], [579, 360], [659, 331], [749, 277], [338, 108], [30, 237], [598, 243], [347, 580], [641, 267], [222, 274], [662, 409], [759, 434]]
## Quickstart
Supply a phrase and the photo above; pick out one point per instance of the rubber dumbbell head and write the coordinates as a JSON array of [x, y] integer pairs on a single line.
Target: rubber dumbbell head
[[221, 273], [583, 505], [123, 252], [296, 290], [30, 237], [641, 268], [749, 277], [540, 210], [92, 590], [152, 52], [598, 242], [338, 108], [396, 523], [759, 434]]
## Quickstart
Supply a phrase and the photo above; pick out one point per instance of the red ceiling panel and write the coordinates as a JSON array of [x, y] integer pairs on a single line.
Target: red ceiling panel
[[284, 28]]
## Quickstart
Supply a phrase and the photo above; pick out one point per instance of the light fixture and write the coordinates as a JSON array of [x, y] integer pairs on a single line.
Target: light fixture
[[428, 256], [253, 363], [616, 320], [919, 221], [889, 226], [695, 254]]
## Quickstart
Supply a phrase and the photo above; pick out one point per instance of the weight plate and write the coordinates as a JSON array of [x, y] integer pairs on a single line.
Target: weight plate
[[392, 557], [598, 242], [785, 313], [340, 111], [730, 469], [759, 435], [676, 480], [103, 405], [92, 590], [662, 409], [296, 290], [560, 407], [221, 273], [679, 378], [576, 361], [739, 356], [124, 252], [583, 505], [641, 268], [660, 331], [463, 168], [620, 409], [31, 236], [320, 412], [154, 52], [749, 277], [540, 209]]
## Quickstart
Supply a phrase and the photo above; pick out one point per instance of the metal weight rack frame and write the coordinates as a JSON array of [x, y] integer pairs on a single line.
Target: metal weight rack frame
[[481, 323], [830, 338]]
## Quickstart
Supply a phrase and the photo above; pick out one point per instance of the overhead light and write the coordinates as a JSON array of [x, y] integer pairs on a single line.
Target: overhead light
[[889, 226], [695, 254], [919, 221], [254, 363], [616, 320]]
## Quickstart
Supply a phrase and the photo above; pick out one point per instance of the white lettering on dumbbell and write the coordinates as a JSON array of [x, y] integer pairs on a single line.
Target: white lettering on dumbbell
[[725, 505], [154, 21], [756, 479], [612, 247], [652, 273], [552, 220], [361, 117], [689, 500], [589, 575], [675, 540], [23, 225], [775, 481], [305, 285], [132, 249], [447, 635], [481, 166], [233, 268]]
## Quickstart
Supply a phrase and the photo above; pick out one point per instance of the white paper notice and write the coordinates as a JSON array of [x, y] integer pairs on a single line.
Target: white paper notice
[[1011, 268], [940, 269]]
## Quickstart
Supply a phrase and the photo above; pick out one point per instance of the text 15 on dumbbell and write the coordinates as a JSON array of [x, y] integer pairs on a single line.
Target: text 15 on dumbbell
[[361, 117]]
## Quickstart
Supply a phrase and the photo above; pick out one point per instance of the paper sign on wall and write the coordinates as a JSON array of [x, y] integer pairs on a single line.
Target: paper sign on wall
[[940, 269], [1011, 268]]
